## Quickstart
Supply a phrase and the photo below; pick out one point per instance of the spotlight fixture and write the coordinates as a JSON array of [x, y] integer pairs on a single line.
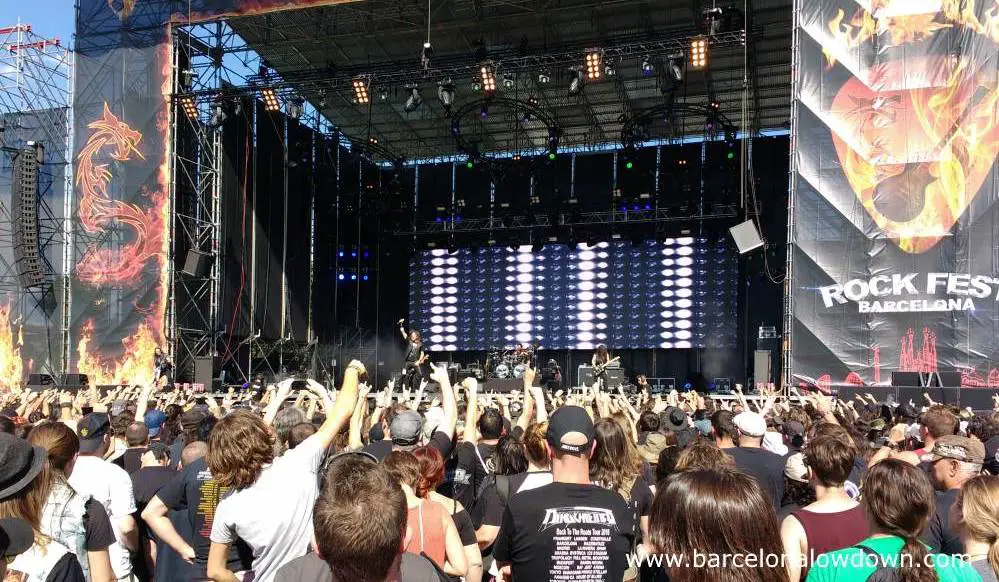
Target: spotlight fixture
[[647, 67], [271, 102], [218, 115], [508, 81], [533, 100], [190, 106], [295, 107], [609, 70], [575, 82], [445, 94], [488, 78], [426, 55], [361, 96], [322, 99], [699, 53], [675, 63], [470, 163], [594, 63], [383, 94], [544, 77], [484, 111], [187, 79], [414, 100], [476, 85]]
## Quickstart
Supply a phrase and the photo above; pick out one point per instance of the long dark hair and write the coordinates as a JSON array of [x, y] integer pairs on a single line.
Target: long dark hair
[[899, 501], [715, 512], [509, 458], [615, 463], [171, 426]]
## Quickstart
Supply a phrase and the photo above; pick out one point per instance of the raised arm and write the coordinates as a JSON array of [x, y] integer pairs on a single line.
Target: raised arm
[[402, 329], [448, 401], [343, 408], [471, 410], [283, 390]]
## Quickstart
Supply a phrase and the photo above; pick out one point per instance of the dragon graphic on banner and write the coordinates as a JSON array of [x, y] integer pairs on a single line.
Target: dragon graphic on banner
[[896, 232]]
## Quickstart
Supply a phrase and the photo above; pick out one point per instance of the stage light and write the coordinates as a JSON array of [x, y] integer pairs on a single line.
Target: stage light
[[414, 100], [675, 66], [187, 79], [361, 96], [218, 116], [190, 106], [487, 74], [551, 156], [322, 99], [445, 94], [609, 70], [271, 102], [699, 53], [509, 81], [533, 100], [484, 111], [470, 163], [594, 62], [544, 77], [629, 164], [731, 155], [476, 85], [295, 107], [383, 94], [647, 67], [575, 82]]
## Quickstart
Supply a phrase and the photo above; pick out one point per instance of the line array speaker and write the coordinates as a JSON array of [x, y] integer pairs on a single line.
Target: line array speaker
[[27, 254]]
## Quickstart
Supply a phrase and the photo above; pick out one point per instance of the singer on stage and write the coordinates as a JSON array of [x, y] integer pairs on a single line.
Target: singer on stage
[[415, 356], [162, 367]]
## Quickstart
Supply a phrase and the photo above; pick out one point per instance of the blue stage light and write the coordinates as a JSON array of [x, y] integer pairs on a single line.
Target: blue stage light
[[364, 278], [353, 277], [340, 276]]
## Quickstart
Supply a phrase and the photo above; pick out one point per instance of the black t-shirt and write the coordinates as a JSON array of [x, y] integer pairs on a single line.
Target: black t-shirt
[[413, 350], [468, 469], [132, 460], [194, 490], [563, 531], [97, 532], [67, 569], [767, 467], [381, 449], [145, 483], [938, 535]]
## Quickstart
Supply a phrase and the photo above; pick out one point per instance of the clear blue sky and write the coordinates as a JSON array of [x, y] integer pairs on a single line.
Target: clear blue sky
[[48, 18]]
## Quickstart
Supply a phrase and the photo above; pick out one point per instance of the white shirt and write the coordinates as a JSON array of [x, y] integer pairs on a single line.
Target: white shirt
[[112, 487], [274, 515]]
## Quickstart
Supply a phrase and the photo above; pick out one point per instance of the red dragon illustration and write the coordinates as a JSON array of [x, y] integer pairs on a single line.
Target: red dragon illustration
[[97, 211]]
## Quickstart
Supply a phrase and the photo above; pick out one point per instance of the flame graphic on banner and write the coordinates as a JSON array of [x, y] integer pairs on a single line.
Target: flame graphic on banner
[[130, 266], [11, 366], [916, 143], [124, 10]]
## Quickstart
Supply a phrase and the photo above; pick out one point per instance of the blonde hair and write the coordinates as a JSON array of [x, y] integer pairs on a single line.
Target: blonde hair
[[978, 503]]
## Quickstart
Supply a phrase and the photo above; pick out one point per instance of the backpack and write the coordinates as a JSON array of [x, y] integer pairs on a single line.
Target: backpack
[[441, 574], [883, 572]]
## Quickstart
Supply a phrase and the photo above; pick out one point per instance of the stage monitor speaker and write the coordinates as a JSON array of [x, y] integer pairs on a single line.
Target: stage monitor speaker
[[204, 371], [762, 366], [197, 264], [945, 379], [75, 380], [906, 379], [24, 217], [39, 382], [746, 237]]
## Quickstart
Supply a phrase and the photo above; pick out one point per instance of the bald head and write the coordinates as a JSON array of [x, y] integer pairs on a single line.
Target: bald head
[[137, 435], [193, 452]]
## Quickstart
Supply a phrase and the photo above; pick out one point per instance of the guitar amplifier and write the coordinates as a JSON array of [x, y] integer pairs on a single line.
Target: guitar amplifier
[[613, 377]]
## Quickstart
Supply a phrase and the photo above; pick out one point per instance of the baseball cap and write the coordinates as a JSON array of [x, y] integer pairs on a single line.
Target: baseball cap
[[16, 536], [192, 418], [795, 468], [405, 428], [91, 430], [774, 442], [750, 424], [956, 447], [570, 430], [154, 420]]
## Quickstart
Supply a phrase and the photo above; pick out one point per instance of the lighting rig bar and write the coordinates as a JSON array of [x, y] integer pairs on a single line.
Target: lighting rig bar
[[631, 130], [568, 220], [530, 111], [389, 74]]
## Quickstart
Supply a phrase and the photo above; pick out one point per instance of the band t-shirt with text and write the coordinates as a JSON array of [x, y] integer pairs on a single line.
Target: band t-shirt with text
[[566, 532]]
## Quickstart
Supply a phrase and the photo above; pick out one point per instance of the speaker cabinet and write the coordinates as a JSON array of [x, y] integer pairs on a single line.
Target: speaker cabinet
[[75, 380], [746, 237], [197, 264]]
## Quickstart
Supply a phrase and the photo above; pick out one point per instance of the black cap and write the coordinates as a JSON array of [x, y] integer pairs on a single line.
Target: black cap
[[91, 430], [567, 420], [992, 456], [16, 536]]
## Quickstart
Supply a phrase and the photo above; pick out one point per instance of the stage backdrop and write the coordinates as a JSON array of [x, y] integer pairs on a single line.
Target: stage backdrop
[[121, 256], [895, 226]]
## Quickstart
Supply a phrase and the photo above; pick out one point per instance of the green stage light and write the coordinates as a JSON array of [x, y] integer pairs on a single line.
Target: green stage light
[[629, 164]]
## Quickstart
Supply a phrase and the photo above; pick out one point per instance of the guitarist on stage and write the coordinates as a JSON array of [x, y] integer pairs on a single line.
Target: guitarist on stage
[[600, 360], [415, 356]]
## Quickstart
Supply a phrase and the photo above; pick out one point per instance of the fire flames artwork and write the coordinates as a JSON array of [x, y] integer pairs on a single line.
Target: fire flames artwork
[[11, 340], [896, 132]]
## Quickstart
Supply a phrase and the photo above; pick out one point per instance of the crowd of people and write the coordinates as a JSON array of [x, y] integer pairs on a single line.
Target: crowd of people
[[303, 482]]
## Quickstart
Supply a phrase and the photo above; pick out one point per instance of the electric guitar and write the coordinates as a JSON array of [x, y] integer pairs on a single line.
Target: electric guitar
[[599, 369]]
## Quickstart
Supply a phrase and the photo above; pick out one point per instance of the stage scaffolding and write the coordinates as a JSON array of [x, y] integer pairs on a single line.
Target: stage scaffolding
[[36, 89]]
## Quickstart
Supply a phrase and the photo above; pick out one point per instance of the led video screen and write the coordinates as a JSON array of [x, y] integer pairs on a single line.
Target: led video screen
[[677, 293]]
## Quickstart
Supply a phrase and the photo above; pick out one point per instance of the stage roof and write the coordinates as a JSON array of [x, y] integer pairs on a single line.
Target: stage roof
[[321, 50]]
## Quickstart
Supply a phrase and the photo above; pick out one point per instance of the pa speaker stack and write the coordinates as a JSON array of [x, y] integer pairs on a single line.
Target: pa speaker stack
[[24, 216]]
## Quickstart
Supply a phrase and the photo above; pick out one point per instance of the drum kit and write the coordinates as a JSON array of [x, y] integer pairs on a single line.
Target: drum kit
[[508, 363]]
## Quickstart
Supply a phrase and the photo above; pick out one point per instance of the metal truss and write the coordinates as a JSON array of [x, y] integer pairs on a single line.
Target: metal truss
[[196, 163], [36, 104], [528, 222]]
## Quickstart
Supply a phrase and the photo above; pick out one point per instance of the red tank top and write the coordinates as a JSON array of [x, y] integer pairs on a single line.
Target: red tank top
[[827, 532], [426, 530]]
